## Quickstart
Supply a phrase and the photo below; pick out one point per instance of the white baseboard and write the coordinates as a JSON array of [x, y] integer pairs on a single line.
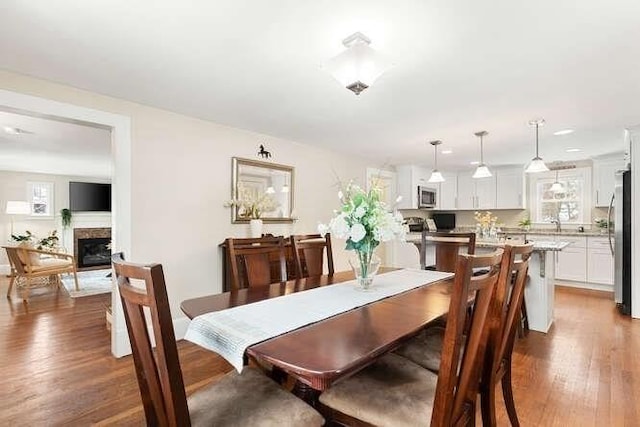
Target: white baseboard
[[585, 285]]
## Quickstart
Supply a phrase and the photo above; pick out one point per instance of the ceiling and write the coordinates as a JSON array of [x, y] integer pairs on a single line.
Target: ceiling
[[53, 146], [459, 67]]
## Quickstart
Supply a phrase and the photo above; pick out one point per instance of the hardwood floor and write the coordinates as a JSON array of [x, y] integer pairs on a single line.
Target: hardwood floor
[[57, 367]]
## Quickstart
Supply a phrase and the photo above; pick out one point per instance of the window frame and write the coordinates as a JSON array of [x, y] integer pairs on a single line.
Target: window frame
[[50, 211], [586, 203]]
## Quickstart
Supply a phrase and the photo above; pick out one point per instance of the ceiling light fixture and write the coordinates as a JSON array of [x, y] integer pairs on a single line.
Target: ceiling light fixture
[[563, 132], [482, 171], [572, 150], [475, 162], [358, 66], [446, 151], [436, 176], [537, 164], [557, 187], [14, 131]]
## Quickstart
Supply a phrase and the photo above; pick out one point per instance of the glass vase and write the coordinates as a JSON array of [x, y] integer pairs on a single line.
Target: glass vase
[[365, 266]]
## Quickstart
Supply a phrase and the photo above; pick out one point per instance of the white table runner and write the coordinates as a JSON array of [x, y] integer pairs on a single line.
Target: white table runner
[[230, 332]]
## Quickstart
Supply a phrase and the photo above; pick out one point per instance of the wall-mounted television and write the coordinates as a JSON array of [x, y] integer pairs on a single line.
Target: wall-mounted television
[[89, 197]]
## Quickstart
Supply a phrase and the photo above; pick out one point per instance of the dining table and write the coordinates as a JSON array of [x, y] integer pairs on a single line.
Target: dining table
[[321, 353]]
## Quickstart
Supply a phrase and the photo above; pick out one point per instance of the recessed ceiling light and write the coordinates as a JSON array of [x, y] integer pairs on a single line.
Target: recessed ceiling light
[[573, 150], [446, 152], [564, 132], [475, 162]]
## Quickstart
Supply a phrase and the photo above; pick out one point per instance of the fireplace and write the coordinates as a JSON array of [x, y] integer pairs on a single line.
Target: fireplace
[[91, 248]]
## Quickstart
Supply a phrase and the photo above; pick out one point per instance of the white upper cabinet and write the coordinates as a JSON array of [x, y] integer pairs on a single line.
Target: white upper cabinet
[[476, 193], [448, 192], [409, 178], [510, 188], [604, 171]]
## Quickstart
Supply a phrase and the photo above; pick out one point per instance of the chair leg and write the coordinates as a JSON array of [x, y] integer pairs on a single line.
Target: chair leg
[[11, 282], [488, 405], [524, 324], [75, 278], [507, 392], [26, 290]]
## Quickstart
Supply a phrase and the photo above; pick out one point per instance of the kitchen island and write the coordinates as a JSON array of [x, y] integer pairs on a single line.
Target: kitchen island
[[539, 290]]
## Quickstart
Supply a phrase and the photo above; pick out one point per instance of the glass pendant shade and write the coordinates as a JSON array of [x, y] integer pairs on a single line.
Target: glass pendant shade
[[482, 171], [358, 66], [436, 176], [536, 165], [556, 187]]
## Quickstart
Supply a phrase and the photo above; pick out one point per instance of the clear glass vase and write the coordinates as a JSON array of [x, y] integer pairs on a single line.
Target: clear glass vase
[[365, 266]]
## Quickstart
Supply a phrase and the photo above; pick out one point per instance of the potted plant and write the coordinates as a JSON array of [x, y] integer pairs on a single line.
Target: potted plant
[[525, 223]]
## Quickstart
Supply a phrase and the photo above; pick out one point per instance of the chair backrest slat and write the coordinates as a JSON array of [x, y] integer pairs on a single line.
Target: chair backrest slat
[[308, 254], [252, 261], [159, 376], [458, 383]]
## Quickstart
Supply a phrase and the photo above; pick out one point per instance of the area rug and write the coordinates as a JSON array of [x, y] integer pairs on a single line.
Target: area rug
[[90, 282]]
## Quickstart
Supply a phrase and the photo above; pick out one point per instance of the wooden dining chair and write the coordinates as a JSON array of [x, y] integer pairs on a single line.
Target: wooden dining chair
[[506, 318], [256, 261], [247, 399], [308, 254], [395, 391], [447, 248]]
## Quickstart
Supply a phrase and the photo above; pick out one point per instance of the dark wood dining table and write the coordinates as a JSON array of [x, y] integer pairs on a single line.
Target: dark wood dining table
[[321, 353]]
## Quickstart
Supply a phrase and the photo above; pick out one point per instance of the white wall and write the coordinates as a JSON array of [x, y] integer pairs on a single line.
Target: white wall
[[181, 176], [13, 186]]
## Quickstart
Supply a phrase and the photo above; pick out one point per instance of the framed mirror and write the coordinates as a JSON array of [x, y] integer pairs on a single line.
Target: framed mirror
[[261, 189]]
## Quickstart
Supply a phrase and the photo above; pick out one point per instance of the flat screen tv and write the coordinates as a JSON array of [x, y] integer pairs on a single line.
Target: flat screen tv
[[89, 197]]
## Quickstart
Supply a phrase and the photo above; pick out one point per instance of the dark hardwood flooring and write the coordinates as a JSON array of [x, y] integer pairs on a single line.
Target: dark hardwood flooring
[[57, 367]]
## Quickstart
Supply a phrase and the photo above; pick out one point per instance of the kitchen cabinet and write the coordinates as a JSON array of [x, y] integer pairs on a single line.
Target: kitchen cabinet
[[604, 171], [409, 178], [476, 193], [448, 192], [510, 188], [571, 262], [600, 262]]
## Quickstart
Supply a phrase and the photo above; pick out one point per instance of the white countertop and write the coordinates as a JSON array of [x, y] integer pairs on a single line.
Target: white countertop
[[538, 245]]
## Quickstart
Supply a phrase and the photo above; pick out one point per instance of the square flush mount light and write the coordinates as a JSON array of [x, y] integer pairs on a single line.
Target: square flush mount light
[[359, 65]]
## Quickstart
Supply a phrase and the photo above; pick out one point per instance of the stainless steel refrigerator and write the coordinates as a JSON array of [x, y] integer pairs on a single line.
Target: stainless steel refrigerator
[[622, 251]]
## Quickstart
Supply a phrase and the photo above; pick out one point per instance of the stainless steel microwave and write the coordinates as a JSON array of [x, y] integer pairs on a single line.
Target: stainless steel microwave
[[427, 197]]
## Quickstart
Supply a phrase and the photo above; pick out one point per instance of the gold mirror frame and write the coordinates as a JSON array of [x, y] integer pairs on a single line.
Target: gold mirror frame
[[258, 177]]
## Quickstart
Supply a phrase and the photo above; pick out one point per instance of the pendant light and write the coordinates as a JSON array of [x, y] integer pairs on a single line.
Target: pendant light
[[436, 176], [536, 165], [557, 187], [482, 171]]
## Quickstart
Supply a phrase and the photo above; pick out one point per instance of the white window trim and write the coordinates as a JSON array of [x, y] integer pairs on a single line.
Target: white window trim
[[586, 202], [51, 201]]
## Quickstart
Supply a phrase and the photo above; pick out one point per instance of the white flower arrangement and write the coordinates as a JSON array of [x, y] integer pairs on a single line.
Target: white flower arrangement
[[364, 220], [251, 204]]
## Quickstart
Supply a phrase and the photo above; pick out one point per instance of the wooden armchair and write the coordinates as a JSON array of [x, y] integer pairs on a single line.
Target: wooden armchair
[[247, 399], [27, 265], [308, 254], [256, 261]]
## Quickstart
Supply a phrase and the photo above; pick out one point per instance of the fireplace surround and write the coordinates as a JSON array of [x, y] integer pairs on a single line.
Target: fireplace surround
[[91, 248]]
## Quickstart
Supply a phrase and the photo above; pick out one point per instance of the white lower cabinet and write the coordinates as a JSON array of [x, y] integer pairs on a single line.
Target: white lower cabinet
[[600, 262], [571, 264]]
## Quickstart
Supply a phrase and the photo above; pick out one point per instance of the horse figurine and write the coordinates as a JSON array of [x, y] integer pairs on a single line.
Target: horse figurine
[[264, 153]]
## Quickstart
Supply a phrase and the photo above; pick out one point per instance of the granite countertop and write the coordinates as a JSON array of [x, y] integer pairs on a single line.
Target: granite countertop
[[540, 245]]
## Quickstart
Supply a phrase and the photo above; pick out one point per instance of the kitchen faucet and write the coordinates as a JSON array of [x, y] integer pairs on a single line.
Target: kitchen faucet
[[557, 223]]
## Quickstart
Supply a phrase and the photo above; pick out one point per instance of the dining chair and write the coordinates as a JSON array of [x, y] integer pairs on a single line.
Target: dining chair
[[506, 318], [256, 261], [249, 398], [308, 254], [27, 265], [447, 247], [395, 391]]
